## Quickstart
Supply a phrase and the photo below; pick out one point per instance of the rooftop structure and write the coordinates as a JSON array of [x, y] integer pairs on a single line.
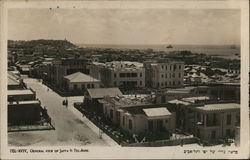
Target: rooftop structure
[[98, 93], [12, 80], [24, 102], [167, 74], [123, 102], [122, 74], [116, 65], [80, 77], [156, 112], [218, 107], [20, 92]]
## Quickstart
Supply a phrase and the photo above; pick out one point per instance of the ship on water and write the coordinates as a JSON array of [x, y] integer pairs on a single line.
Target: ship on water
[[169, 46], [233, 47]]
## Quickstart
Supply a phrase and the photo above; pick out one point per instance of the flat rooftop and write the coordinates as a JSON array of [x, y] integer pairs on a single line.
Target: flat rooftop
[[20, 92], [24, 102], [102, 92], [176, 101], [181, 90], [124, 65], [193, 99], [13, 78], [125, 101], [12, 81]]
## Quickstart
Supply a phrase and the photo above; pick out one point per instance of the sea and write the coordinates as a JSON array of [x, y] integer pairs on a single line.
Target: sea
[[224, 51]]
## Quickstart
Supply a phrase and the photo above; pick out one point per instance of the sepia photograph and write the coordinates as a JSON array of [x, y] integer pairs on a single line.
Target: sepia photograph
[[124, 77]]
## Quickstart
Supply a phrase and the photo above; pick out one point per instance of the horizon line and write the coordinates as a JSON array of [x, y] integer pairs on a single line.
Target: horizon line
[[80, 43]]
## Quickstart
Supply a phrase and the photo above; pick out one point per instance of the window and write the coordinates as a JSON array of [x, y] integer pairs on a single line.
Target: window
[[179, 83], [114, 75], [228, 132], [214, 119], [88, 86], [83, 86], [123, 120], [140, 74], [170, 75], [127, 74], [179, 75], [150, 125], [162, 67], [159, 124], [166, 75], [166, 83], [166, 67], [170, 67], [229, 117], [198, 133], [93, 86], [174, 67], [213, 134], [140, 83], [130, 124], [173, 75], [117, 115], [162, 76], [170, 83], [122, 75], [111, 114], [115, 83], [173, 83], [162, 84], [166, 121], [179, 66], [75, 86], [106, 110], [133, 74]]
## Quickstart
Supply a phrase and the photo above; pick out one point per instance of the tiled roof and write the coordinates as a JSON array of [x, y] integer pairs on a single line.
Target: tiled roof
[[102, 92], [80, 77], [219, 107], [156, 112]]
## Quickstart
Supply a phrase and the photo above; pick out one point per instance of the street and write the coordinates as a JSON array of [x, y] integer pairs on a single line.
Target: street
[[71, 128]]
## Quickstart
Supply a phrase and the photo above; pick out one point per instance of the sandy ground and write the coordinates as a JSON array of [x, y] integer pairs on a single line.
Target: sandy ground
[[70, 128]]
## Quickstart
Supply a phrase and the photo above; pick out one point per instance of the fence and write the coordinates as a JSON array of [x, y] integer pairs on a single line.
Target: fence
[[175, 142]]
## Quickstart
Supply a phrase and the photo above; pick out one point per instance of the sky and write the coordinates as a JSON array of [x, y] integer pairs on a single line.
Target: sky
[[127, 26]]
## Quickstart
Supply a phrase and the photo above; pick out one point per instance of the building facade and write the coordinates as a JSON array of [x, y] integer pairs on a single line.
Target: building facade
[[164, 74], [23, 106], [58, 69], [139, 119], [122, 74], [79, 82], [213, 121]]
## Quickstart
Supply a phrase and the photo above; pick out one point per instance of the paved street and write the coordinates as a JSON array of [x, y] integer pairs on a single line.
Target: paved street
[[71, 127]]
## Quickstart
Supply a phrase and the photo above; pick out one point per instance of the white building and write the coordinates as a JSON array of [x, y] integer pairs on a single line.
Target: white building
[[124, 74], [136, 117], [163, 75], [79, 82]]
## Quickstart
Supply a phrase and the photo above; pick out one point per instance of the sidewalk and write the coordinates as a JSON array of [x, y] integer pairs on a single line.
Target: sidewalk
[[70, 130], [94, 128]]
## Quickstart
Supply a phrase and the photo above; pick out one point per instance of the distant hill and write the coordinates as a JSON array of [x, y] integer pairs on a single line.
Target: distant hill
[[62, 44]]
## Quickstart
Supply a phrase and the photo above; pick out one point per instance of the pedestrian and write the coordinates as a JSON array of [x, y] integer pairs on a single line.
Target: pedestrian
[[66, 103], [48, 89]]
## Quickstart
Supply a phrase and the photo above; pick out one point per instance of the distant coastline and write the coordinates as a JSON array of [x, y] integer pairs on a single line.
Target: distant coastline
[[224, 51]]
